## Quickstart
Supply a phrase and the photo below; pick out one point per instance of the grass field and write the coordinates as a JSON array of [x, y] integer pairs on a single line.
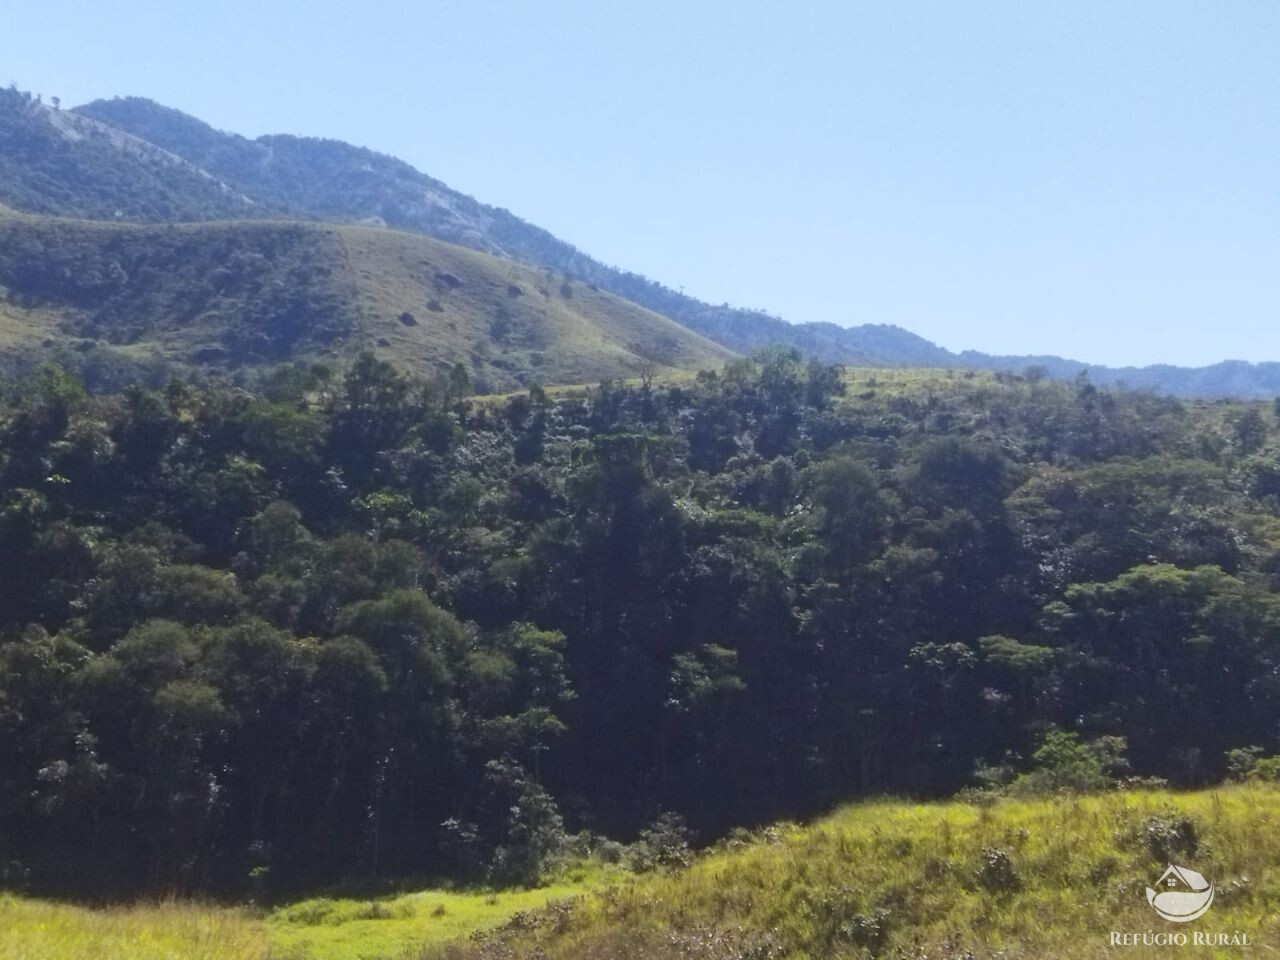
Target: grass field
[[36, 930], [1050, 878], [321, 928], [403, 926]]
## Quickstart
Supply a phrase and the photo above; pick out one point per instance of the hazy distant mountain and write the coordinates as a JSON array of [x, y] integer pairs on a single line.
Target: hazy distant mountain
[[898, 347], [133, 159]]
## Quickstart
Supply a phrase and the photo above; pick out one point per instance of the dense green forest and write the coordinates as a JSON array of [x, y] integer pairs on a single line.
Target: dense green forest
[[357, 624]]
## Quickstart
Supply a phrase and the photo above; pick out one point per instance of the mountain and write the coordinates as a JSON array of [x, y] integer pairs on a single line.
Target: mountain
[[118, 300], [66, 163], [330, 179], [894, 346], [133, 159]]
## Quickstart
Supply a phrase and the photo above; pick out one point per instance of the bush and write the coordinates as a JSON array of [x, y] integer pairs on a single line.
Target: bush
[[840, 917], [533, 833], [1240, 762], [1169, 838], [663, 844], [868, 930], [1266, 769], [1064, 762], [996, 872], [1248, 763]]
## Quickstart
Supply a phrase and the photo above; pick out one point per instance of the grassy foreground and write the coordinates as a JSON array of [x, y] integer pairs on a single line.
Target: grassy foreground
[[1038, 879], [1047, 878], [323, 928], [404, 926], [35, 930]]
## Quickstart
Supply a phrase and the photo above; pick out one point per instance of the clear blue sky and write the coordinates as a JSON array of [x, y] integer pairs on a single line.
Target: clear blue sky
[[1094, 179]]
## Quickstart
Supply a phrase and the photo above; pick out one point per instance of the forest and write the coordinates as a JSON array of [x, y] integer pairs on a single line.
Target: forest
[[347, 623]]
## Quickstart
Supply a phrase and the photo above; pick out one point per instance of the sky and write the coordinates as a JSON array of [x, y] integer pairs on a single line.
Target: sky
[[1098, 180]]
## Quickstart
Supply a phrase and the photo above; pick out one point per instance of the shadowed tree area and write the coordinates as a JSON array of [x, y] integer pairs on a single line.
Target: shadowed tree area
[[351, 624]]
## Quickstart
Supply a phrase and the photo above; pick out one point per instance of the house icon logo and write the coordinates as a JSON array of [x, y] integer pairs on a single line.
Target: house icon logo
[[1181, 895]]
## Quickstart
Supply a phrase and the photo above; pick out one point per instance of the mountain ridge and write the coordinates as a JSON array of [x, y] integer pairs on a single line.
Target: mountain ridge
[[364, 185], [64, 163], [330, 180]]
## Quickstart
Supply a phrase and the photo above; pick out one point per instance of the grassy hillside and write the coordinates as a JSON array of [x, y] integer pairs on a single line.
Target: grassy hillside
[[1034, 879], [113, 299], [1046, 878]]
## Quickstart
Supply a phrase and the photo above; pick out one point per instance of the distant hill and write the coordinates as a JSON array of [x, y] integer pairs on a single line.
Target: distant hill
[[133, 159], [119, 299]]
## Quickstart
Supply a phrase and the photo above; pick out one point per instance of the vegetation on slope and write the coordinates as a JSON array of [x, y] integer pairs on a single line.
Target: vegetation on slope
[[119, 301], [65, 163], [1046, 878]]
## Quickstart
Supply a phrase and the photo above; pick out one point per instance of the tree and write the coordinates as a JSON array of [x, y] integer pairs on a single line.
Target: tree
[[849, 513], [460, 385], [1251, 431], [648, 357]]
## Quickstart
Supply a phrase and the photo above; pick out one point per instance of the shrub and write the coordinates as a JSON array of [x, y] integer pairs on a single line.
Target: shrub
[[1169, 838], [996, 873], [1240, 762], [1248, 763], [1266, 769], [665, 844], [868, 930], [533, 834], [1064, 762]]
